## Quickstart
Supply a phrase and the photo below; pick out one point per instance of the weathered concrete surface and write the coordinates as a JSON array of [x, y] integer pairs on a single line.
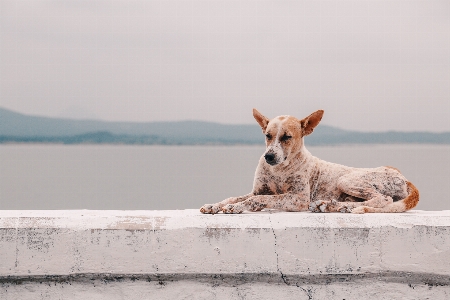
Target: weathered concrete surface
[[177, 254], [194, 290]]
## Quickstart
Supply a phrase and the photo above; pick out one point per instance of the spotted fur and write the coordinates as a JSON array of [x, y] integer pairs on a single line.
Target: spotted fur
[[289, 178]]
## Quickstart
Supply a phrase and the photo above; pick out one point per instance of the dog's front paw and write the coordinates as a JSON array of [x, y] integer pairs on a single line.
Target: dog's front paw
[[322, 206], [345, 209], [210, 209], [232, 209], [359, 210]]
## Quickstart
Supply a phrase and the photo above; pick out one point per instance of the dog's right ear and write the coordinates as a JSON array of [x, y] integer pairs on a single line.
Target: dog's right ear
[[262, 120]]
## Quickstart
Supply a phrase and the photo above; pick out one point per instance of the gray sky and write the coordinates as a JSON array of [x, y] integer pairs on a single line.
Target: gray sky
[[372, 65]]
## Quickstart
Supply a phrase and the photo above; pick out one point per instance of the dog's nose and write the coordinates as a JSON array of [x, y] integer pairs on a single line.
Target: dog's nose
[[270, 158]]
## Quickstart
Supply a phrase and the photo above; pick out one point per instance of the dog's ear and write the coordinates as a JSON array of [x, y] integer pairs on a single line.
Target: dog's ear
[[310, 122], [262, 120]]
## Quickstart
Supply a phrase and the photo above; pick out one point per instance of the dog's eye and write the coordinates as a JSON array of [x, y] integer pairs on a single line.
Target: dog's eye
[[285, 137], [268, 136]]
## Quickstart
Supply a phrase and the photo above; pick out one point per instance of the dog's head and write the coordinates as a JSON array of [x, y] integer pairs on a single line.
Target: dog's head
[[284, 134]]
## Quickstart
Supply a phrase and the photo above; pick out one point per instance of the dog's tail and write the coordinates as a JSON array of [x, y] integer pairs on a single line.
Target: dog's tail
[[399, 206]]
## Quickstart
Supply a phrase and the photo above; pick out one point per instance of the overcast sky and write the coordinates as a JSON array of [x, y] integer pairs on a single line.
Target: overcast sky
[[371, 65]]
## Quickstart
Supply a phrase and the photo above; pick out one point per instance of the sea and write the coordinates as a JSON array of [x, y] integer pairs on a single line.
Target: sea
[[128, 177]]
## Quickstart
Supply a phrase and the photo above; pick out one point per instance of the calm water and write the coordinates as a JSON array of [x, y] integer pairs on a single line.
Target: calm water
[[179, 177]]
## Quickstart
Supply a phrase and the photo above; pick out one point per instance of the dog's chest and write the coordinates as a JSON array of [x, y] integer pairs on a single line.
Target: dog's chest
[[272, 184]]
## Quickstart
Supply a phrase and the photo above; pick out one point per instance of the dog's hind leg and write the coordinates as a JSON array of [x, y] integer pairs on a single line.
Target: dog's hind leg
[[378, 189], [375, 199], [409, 202]]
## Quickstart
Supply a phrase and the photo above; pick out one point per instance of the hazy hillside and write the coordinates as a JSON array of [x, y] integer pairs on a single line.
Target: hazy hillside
[[15, 124], [16, 127]]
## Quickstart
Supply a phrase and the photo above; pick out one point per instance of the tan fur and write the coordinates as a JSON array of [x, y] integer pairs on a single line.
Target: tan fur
[[289, 178], [393, 168], [413, 197]]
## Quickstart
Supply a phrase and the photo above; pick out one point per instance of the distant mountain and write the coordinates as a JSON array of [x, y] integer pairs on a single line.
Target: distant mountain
[[13, 124], [16, 127]]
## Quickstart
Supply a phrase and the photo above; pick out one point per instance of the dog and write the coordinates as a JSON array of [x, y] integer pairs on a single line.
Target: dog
[[290, 178]]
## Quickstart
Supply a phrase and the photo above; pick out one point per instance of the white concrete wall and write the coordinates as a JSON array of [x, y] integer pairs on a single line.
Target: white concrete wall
[[184, 254]]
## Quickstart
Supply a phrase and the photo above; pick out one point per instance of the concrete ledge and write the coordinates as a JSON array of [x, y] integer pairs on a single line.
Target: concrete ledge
[[261, 254]]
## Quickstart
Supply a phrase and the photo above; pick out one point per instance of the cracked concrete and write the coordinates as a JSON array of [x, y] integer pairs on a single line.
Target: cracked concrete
[[283, 277], [168, 253]]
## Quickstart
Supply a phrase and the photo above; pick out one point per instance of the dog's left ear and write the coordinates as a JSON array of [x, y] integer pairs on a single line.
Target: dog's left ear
[[310, 122]]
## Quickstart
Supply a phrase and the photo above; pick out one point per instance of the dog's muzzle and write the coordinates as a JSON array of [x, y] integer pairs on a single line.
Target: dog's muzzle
[[270, 159]]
